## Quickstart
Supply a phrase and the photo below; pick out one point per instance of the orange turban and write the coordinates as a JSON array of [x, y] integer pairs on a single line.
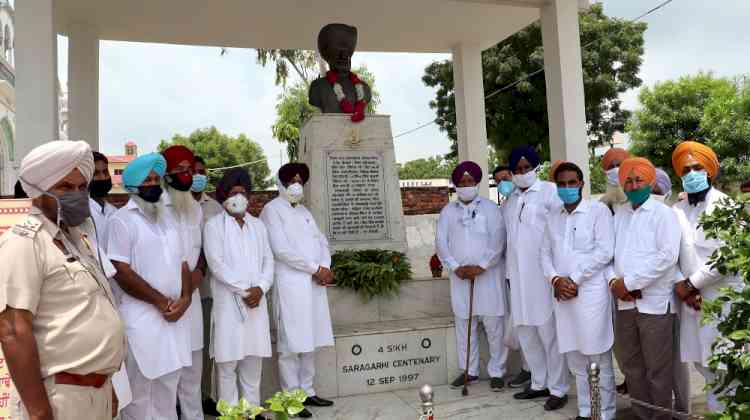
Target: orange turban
[[613, 154], [552, 168], [638, 166], [697, 151]]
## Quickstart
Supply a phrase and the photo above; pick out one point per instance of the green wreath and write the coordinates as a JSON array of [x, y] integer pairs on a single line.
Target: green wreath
[[371, 272]]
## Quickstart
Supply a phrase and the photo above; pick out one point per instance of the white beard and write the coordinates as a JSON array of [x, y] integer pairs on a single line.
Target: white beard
[[151, 210], [183, 203], [614, 195]]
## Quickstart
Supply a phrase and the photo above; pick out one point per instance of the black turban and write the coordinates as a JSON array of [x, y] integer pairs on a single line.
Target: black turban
[[231, 179], [288, 171]]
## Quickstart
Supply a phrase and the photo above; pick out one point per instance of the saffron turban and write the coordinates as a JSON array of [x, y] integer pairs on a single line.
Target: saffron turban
[[612, 155], [177, 154], [465, 167], [663, 181], [137, 171], [552, 168], [288, 171], [523, 152], [49, 163], [700, 152], [231, 179], [638, 166]]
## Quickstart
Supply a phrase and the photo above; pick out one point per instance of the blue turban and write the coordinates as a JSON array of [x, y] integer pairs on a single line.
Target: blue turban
[[466, 166], [521, 152], [137, 171]]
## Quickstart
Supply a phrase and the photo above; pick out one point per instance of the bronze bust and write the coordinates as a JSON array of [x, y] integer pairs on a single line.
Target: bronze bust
[[336, 44]]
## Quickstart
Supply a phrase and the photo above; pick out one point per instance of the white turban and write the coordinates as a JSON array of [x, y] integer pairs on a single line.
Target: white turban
[[49, 163]]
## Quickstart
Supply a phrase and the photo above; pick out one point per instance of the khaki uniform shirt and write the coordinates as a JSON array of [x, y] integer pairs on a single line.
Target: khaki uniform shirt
[[76, 325]]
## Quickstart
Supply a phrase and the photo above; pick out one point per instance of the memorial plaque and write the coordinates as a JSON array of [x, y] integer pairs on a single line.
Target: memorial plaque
[[356, 205], [378, 363]]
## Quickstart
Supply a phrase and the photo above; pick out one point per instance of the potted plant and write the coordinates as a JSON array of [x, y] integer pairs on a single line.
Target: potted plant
[[283, 405]]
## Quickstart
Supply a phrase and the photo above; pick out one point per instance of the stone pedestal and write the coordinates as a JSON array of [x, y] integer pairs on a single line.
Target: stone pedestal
[[354, 193]]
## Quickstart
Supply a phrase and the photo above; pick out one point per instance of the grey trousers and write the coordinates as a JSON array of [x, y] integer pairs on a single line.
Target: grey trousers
[[206, 305], [644, 344]]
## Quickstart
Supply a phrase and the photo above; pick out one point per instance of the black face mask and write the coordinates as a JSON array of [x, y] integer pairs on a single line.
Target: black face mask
[[150, 194], [100, 188], [181, 182]]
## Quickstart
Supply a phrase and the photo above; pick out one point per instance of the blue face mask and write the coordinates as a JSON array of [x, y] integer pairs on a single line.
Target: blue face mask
[[569, 195], [695, 181], [505, 188], [199, 183]]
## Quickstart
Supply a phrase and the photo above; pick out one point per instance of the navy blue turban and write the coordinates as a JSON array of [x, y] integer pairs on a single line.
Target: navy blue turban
[[466, 166], [521, 152]]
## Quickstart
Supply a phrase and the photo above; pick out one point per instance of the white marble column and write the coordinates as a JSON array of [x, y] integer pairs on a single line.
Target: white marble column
[[36, 75], [471, 127], [564, 78], [83, 85]]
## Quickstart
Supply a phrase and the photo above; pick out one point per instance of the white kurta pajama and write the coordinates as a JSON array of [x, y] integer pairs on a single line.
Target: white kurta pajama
[[300, 305], [580, 245], [157, 349], [695, 252], [240, 258], [474, 234], [531, 294]]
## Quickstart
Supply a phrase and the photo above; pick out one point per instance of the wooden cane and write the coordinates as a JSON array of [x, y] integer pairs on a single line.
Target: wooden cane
[[465, 391]]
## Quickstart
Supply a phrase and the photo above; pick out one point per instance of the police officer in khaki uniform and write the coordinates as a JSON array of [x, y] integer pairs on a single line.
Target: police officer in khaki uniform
[[59, 328]]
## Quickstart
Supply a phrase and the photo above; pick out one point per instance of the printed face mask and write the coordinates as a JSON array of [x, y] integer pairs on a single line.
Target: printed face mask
[[236, 204], [295, 193], [467, 194]]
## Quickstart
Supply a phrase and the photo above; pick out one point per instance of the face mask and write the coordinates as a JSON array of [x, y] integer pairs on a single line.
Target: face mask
[[613, 177], [505, 188], [72, 207], [100, 188], [467, 194], [639, 196], [236, 204], [199, 183], [181, 182], [295, 192], [569, 195], [526, 180], [695, 181], [150, 194]]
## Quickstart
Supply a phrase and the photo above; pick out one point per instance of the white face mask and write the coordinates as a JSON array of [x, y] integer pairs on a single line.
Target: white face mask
[[613, 177], [236, 204], [467, 194], [525, 180], [295, 193]]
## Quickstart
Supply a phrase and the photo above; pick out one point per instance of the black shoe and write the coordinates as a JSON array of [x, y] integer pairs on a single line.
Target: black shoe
[[459, 381], [316, 401], [622, 388], [583, 418], [520, 380], [304, 414], [260, 417], [496, 384], [209, 408], [530, 394], [555, 403]]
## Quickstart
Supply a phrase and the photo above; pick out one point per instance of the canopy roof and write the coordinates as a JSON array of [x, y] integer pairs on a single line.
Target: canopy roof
[[384, 25]]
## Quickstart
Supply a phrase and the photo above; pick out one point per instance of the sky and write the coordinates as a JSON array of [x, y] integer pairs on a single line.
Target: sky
[[149, 92]]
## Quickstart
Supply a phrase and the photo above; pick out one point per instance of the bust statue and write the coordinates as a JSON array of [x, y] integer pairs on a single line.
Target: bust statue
[[340, 91]]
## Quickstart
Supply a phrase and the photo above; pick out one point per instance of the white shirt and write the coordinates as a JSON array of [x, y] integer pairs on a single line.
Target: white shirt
[[473, 234], [210, 208], [300, 305], [647, 244], [159, 347], [101, 216], [240, 258], [580, 245], [526, 213]]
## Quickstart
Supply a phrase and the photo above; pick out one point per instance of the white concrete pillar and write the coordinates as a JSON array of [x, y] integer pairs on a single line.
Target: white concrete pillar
[[564, 78], [36, 75], [471, 126], [83, 85]]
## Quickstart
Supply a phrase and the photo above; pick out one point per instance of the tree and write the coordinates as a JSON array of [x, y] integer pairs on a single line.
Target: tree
[[611, 58], [220, 150], [713, 110], [303, 63], [430, 168]]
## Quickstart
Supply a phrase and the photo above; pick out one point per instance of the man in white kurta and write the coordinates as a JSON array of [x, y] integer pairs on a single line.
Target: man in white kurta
[[531, 294], [577, 249], [697, 164], [470, 242], [156, 284], [302, 271], [240, 257]]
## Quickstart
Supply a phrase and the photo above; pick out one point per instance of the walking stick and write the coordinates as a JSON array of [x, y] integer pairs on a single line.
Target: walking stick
[[465, 391]]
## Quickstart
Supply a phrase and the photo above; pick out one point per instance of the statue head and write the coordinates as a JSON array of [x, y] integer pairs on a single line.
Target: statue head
[[336, 44]]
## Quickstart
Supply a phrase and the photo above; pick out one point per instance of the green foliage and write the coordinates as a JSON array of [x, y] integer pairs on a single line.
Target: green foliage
[[730, 360], [430, 168], [283, 404], [518, 115], [302, 62], [242, 411], [221, 150], [371, 272]]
